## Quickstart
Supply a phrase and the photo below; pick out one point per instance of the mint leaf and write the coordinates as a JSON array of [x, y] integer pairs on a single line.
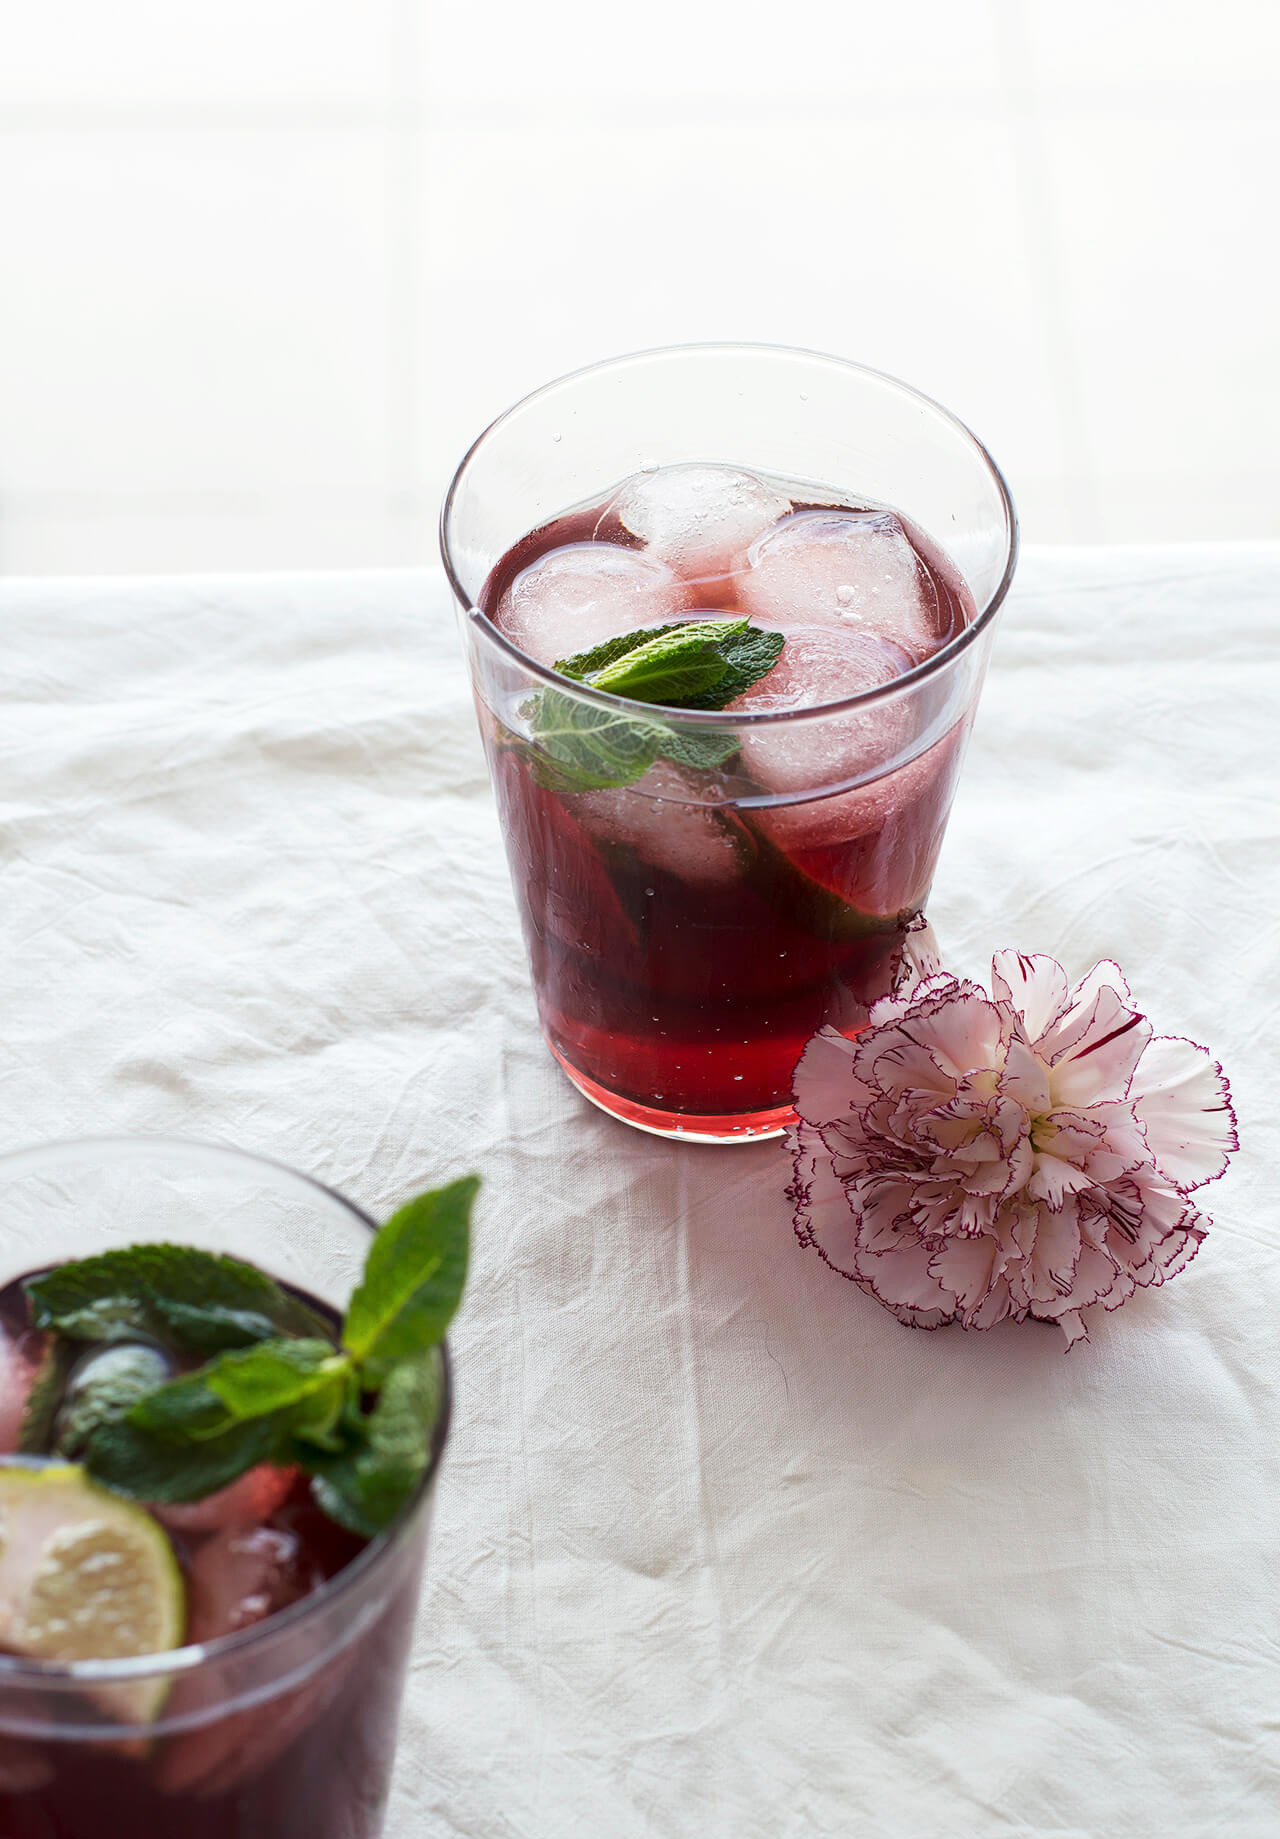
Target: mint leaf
[[580, 664], [277, 1374], [210, 1329], [581, 748], [698, 747], [197, 1300], [255, 1382], [693, 664], [680, 668], [413, 1280], [148, 1467], [366, 1486], [749, 655], [696, 664]]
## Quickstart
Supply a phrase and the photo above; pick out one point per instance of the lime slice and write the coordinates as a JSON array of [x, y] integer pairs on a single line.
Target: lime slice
[[86, 1575]]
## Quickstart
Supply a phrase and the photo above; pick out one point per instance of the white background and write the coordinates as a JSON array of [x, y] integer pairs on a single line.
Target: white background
[[267, 265]]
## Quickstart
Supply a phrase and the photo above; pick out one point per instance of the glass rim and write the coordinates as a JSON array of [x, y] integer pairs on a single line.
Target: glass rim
[[19, 1671], [941, 660]]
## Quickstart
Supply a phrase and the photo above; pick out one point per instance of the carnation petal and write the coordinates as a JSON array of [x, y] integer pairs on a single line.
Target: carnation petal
[[1093, 1053], [920, 957], [1184, 1106], [1072, 1326], [1054, 1254], [821, 1081], [968, 1268], [1052, 1179], [893, 1061], [1025, 1078], [902, 1279], [1035, 987], [819, 1195], [965, 1033]]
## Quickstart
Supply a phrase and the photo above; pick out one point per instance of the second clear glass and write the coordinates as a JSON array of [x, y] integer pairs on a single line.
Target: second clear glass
[[681, 964], [287, 1727]]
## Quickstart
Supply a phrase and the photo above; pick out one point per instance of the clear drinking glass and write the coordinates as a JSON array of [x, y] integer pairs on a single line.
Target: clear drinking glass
[[691, 932], [288, 1727]]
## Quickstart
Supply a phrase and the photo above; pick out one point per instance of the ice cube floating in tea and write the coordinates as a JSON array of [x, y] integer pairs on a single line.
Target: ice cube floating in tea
[[689, 932]]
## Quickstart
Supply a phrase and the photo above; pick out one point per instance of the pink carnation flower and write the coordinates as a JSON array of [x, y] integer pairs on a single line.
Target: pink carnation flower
[[970, 1157]]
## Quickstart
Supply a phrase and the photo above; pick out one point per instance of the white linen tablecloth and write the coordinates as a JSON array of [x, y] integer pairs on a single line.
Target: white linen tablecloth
[[720, 1548]]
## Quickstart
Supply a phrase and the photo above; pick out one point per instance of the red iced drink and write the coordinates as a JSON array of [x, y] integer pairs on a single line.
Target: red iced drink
[[688, 932], [214, 1495]]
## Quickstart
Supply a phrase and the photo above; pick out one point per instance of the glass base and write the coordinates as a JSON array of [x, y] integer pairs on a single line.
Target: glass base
[[681, 1126]]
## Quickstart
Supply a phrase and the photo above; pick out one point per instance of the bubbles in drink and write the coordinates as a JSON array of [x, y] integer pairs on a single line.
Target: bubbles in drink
[[661, 820], [579, 595], [855, 571], [699, 519]]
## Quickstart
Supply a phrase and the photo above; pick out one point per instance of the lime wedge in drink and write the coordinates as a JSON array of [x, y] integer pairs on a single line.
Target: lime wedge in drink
[[86, 1575]]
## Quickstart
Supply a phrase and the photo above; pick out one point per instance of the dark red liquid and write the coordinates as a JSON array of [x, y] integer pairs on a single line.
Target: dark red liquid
[[311, 1761], [692, 996]]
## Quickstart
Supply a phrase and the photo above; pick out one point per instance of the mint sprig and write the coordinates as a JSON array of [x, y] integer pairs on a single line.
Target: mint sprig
[[413, 1279], [199, 1302], [692, 664], [357, 1414], [366, 1483]]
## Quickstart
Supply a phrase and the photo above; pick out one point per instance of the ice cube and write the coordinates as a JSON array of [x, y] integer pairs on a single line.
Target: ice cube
[[253, 1498], [821, 664], [238, 1577], [855, 570], [700, 519], [659, 819], [578, 596], [242, 1575]]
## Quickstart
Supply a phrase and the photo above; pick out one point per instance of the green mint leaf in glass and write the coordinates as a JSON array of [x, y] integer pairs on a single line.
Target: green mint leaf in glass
[[578, 747], [694, 664], [581, 664], [413, 1280], [680, 668], [252, 1382], [366, 1486], [274, 1374], [697, 664], [700, 748], [197, 1300], [211, 1328], [148, 1467], [749, 655]]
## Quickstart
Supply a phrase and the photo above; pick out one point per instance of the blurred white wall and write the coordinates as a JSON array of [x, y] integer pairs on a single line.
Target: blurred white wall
[[267, 265]]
